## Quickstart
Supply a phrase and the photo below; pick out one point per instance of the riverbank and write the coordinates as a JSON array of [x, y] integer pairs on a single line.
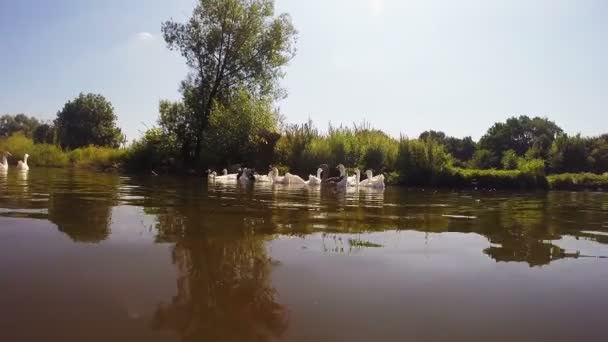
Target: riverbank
[[134, 159]]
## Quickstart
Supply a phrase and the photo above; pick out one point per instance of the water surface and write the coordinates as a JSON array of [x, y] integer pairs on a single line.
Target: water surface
[[99, 257]]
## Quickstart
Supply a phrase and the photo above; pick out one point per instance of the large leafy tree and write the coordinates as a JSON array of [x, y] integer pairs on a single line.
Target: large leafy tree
[[44, 134], [10, 124], [245, 130], [522, 135], [569, 154], [599, 153], [229, 45], [89, 119]]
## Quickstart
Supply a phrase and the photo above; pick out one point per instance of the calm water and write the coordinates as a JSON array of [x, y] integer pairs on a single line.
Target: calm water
[[95, 257]]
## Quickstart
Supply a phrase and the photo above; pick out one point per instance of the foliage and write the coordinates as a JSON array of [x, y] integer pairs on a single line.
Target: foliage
[[569, 154], [154, 151], [577, 181], [89, 119], [509, 160], [520, 134], [421, 162], [176, 127], [462, 150], [294, 140], [496, 179], [243, 131], [229, 45], [482, 159], [46, 155], [11, 124], [598, 153], [98, 158], [44, 134], [304, 149]]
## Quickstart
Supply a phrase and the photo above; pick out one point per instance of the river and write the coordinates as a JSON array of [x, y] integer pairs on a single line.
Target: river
[[99, 257]]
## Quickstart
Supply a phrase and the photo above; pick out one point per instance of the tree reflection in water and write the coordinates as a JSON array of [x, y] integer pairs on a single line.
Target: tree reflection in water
[[81, 205], [223, 287]]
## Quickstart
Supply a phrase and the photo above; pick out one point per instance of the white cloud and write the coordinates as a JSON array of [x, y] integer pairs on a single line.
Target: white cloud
[[376, 6], [144, 36]]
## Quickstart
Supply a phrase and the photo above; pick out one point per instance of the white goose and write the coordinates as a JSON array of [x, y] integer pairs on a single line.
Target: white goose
[[276, 179], [225, 178], [294, 179], [263, 178], [353, 181], [315, 180], [230, 176], [4, 163], [22, 165], [373, 182]]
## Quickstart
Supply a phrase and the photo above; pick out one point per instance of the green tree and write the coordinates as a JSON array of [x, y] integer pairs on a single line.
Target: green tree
[[599, 154], [44, 134], [89, 119], [229, 45], [176, 126], [521, 134], [461, 149], [11, 124], [437, 136], [509, 160], [482, 159], [569, 154], [239, 131]]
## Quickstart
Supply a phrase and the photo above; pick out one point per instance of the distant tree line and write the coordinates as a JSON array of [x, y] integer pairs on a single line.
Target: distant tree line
[[89, 119], [524, 138]]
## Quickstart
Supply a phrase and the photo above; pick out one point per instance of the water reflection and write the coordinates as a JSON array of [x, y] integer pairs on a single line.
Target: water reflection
[[223, 287], [221, 238]]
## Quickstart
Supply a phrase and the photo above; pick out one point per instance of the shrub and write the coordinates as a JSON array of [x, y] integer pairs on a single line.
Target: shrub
[[577, 181], [509, 160], [97, 158]]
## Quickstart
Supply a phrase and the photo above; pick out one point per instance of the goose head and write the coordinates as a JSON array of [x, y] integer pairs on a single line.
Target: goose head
[[369, 174], [319, 172], [342, 169]]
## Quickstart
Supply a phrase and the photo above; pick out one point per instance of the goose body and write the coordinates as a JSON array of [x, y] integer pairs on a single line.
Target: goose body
[[4, 162], [276, 179], [294, 179], [373, 182], [353, 181], [315, 180], [22, 165], [263, 178]]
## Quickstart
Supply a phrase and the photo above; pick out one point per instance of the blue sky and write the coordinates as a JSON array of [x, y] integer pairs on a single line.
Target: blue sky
[[403, 65]]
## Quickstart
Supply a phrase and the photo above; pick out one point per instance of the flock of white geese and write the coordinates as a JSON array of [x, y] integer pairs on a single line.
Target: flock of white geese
[[273, 177], [21, 165]]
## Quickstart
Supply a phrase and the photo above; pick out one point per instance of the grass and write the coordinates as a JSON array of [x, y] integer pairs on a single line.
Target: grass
[[46, 155], [578, 181], [496, 179], [363, 243]]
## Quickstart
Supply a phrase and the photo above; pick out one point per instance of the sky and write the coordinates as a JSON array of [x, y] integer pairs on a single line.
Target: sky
[[403, 66]]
